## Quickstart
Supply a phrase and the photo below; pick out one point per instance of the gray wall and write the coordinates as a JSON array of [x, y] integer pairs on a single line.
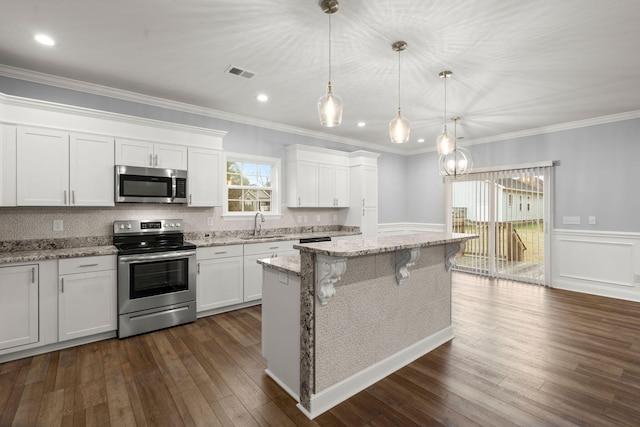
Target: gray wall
[[596, 175]]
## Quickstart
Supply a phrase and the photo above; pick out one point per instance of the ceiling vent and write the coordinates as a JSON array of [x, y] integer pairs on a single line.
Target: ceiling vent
[[240, 72]]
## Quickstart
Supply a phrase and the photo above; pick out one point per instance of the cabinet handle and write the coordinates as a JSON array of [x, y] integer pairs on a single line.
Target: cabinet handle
[[88, 265], [274, 247], [198, 268], [298, 201], [190, 198], [156, 160], [363, 202], [33, 275], [220, 253], [73, 197], [65, 196], [150, 159], [62, 288]]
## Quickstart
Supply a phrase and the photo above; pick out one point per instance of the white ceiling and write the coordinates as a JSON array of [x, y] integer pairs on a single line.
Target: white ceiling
[[516, 65]]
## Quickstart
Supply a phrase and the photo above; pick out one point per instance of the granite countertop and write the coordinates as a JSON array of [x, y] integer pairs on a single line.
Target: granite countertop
[[266, 237], [44, 254], [39, 250], [353, 248], [286, 264]]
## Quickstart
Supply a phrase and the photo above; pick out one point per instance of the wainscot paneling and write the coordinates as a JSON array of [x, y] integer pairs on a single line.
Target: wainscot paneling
[[600, 263]]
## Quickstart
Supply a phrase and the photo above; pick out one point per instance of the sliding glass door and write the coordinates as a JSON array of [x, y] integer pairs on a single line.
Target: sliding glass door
[[510, 211]]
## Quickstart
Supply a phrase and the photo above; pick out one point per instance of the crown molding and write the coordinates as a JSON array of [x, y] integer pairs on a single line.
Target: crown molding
[[95, 89]]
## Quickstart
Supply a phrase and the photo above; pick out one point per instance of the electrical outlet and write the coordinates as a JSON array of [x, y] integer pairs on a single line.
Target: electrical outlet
[[318, 218], [335, 218], [306, 218], [58, 225], [209, 220], [592, 220], [636, 277], [299, 218]]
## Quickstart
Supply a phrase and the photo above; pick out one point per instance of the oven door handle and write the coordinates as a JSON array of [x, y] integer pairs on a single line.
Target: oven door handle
[[132, 259]]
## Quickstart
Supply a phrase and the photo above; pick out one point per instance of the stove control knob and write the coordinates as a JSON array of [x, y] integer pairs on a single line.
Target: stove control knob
[[121, 226], [128, 226], [172, 225], [177, 224]]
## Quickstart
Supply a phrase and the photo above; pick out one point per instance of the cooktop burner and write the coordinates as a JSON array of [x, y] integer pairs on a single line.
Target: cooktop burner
[[146, 236]]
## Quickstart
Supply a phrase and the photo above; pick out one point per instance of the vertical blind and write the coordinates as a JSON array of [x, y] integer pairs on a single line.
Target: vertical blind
[[509, 210]]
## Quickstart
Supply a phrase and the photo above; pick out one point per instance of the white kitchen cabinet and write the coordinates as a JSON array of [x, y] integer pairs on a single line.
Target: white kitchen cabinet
[[56, 168], [8, 158], [148, 154], [19, 305], [302, 184], [204, 177], [87, 300], [220, 277], [333, 185], [317, 177], [253, 270], [363, 211]]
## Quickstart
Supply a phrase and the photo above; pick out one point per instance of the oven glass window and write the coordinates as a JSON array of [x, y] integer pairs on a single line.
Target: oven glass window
[[158, 277], [145, 186]]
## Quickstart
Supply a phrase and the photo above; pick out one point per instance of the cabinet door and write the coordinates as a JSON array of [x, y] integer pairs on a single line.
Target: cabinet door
[[370, 186], [87, 304], [326, 185], [343, 185], [42, 167], [306, 185], [169, 156], [219, 283], [134, 153], [204, 177], [253, 276], [8, 165], [18, 305], [91, 170]]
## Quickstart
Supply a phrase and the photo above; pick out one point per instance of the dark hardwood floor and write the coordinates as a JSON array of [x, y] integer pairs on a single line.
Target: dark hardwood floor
[[523, 355]]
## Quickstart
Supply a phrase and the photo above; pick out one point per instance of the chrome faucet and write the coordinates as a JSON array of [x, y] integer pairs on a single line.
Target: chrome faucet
[[257, 227]]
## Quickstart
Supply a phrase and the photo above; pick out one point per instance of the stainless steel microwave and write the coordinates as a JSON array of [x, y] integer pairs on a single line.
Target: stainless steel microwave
[[150, 185]]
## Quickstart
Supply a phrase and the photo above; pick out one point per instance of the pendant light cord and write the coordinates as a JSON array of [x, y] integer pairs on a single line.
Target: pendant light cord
[[399, 80], [445, 103], [329, 48]]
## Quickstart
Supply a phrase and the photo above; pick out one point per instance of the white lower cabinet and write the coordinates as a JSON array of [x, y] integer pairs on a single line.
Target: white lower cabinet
[[220, 277], [253, 270], [18, 305], [87, 300]]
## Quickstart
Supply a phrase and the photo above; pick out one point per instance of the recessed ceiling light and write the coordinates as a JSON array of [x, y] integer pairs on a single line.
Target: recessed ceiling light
[[361, 124], [262, 97], [44, 39], [421, 140]]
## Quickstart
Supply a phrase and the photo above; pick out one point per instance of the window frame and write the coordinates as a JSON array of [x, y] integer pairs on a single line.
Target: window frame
[[275, 163]]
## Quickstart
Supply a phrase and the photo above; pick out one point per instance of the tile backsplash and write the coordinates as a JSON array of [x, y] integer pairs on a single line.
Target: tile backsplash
[[24, 223]]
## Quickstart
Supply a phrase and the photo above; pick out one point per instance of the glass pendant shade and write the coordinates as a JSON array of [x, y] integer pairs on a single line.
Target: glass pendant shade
[[330, 108], [458, 162], [399, 129], [445, 143]]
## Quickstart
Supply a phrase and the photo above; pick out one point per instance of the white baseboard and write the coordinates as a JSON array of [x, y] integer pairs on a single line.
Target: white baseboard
[[332, 396], [283, 385]]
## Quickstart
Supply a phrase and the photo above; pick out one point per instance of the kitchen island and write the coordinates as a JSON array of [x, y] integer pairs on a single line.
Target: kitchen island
[[345, 314]]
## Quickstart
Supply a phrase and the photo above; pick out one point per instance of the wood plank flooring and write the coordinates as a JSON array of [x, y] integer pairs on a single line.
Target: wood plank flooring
[[523, 355]]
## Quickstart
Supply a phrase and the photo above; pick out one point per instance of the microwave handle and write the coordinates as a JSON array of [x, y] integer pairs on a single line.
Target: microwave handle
[[174, 187]]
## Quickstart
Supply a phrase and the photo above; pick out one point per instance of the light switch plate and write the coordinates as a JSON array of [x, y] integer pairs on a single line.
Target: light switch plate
[[574, 220], [592, 220]]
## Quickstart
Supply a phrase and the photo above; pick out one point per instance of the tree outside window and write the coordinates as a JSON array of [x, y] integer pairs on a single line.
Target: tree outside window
[[249, 187]]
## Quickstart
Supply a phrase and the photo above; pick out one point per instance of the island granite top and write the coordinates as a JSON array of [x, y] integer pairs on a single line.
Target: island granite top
[[354, 248], [286, 264]]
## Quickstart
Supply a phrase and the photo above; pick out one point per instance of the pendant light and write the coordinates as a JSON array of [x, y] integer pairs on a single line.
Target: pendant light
[[445, 143], [459, 161], [399, 128], [330, 104]]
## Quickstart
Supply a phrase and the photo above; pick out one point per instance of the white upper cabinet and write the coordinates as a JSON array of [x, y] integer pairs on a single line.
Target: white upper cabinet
[[91, 170], [8, 165], [204, 177], [55, 168], [147, 154], [317, 177]]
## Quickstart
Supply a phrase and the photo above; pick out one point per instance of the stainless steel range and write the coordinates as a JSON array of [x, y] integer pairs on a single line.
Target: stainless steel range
[[156, 275]]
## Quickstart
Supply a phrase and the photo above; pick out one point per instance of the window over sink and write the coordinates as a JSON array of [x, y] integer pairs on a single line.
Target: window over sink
[[251, 185]]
